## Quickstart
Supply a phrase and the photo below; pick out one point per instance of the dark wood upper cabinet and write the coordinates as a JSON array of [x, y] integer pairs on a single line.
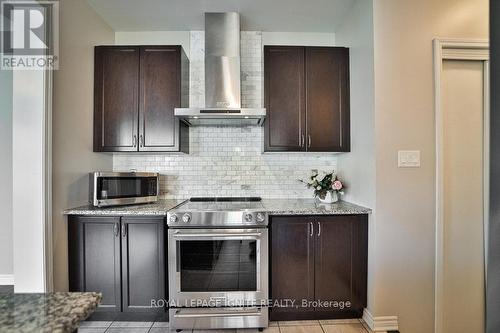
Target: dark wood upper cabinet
[[136, 90], [306, 94], [116, 96], [319, 258], [284, 98], [143, 263], [327, 102]]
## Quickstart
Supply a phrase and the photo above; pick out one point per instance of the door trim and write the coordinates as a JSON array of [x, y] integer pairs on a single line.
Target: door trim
[[454, 49]]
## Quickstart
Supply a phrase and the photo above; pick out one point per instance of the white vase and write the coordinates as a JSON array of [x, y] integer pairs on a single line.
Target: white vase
[[329, 198]]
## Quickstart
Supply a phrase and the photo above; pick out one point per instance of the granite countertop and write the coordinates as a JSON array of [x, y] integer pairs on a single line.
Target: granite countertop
[[43, 313], [272, 206], [311, 207], [159, 208]]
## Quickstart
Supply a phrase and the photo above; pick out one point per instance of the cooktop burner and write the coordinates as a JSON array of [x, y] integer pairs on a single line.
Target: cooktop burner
[[218, 211]]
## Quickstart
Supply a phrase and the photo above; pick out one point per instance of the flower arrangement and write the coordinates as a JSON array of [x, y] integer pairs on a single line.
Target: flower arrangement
[[324, 184]]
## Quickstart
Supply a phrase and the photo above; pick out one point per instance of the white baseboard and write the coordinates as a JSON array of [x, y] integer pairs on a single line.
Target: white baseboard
[[380, 324], [6, 279]]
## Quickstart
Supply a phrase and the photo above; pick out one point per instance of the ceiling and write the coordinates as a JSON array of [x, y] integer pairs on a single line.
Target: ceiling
[[259, 15]]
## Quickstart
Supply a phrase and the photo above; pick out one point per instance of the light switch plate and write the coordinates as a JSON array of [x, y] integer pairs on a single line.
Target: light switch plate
[[408, 158]]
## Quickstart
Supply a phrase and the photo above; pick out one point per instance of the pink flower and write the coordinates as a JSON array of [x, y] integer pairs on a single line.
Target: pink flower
[[337, 185]]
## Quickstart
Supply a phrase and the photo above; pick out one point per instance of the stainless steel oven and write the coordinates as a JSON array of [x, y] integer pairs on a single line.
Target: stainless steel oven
[[218, 267], [123, 188]]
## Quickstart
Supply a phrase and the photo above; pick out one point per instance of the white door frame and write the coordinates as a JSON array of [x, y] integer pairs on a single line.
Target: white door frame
[[455, 49]]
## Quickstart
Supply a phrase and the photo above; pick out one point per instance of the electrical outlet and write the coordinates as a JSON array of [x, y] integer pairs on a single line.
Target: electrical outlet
[[409, 159]]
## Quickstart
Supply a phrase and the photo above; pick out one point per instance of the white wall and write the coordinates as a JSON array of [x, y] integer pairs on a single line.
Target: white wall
[[28, 158], [80, 30], [153, 38], [357, 168], [6, 255], [298, 38], [405, 207]]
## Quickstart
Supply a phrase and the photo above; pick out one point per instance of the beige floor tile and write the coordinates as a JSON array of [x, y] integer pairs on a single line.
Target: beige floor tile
[[161, 324], [92, 330], [365, 325], [213, 331], [299, 323], [161, 330], [122, 324], [274, 329], [301, 329], [127, 330], [339, 321], [344, 328], [93, 324], [273, 324]]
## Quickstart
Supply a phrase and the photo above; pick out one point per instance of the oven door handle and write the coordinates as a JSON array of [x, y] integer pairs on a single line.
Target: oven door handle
[[229, 235], [250, 312]]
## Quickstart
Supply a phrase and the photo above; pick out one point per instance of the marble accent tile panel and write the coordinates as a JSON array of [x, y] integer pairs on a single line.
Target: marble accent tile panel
[[227, 161]]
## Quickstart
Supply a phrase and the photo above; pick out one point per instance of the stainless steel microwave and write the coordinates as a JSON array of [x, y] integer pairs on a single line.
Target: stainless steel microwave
[[123, 188]]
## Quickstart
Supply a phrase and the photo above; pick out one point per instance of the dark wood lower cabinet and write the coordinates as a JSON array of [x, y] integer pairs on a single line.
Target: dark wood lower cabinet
[[320, 264], [292, 263], [122, 258], [94, 258], [143, 263]]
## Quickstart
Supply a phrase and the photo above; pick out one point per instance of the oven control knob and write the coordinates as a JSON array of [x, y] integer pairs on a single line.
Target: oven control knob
[[173, 218], [248, 217], [186, 218], [260, 217]]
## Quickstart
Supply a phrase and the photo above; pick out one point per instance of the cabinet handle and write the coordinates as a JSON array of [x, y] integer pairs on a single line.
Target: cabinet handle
[[135, 140], [303, 141], [319, 229], [309, 141], [141, 140], [116, 229], [311, 227], [124, 230]]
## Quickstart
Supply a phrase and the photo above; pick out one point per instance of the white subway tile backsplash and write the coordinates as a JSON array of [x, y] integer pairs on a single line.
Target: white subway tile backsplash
[[227, 161]]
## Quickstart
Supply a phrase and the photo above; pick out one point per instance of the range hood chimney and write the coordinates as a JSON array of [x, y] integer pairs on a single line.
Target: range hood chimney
[[222, 78]]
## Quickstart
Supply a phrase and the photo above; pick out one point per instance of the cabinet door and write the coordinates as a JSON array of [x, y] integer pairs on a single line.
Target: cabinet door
[[116, 98], [94, 258], [143, 263], [333, 280], [327, 101], [284, 98], [341, 261], [160, 93], [292, 266]]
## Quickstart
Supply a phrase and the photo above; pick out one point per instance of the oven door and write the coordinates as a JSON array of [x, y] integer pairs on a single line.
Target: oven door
[[218, 267]]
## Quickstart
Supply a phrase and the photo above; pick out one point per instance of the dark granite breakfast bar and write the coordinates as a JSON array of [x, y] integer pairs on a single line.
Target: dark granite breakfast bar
[[59, 312]]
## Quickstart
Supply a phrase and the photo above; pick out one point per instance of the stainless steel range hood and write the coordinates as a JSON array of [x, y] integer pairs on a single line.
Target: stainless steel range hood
[[222, 78]]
